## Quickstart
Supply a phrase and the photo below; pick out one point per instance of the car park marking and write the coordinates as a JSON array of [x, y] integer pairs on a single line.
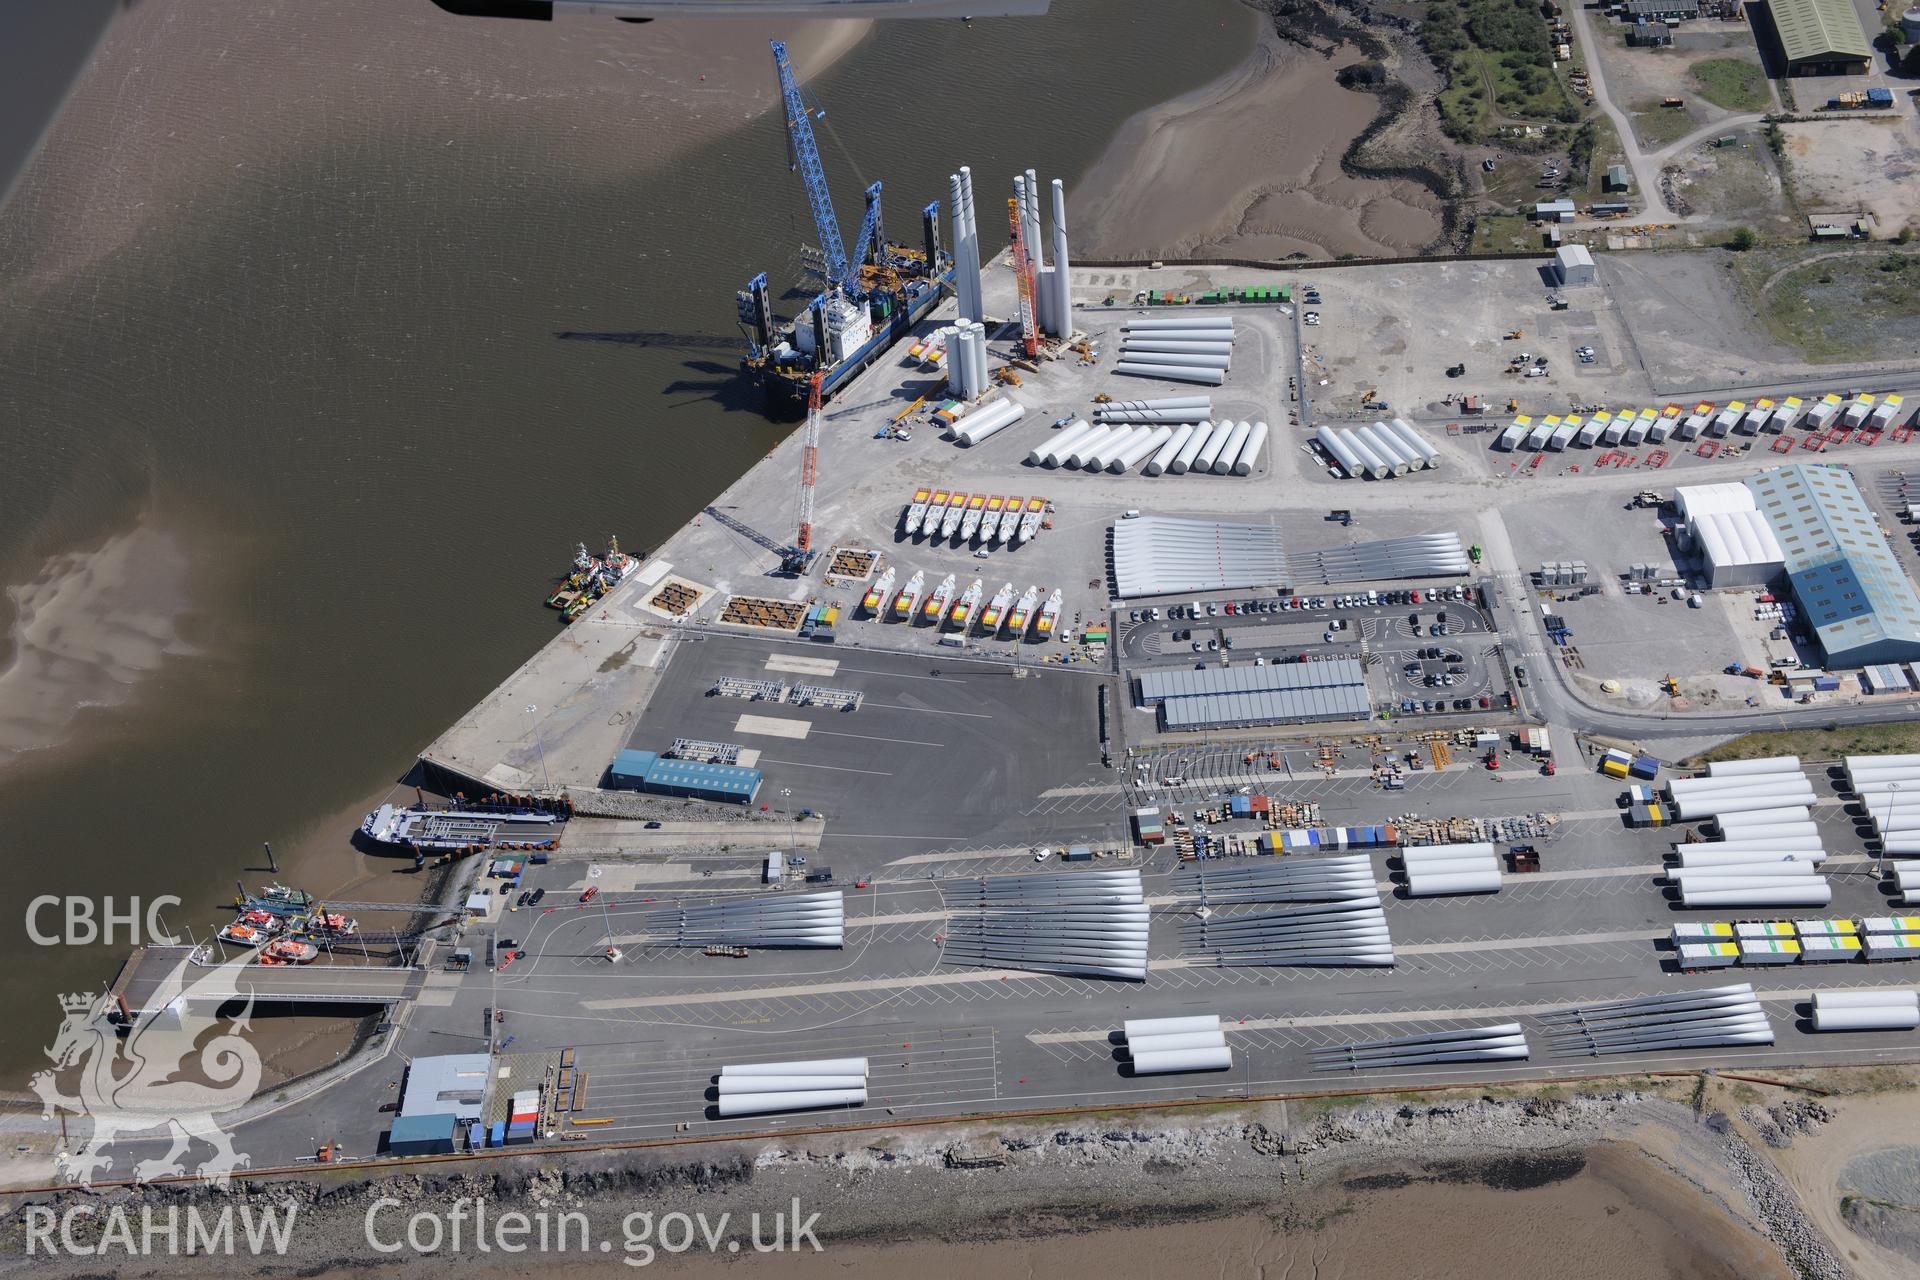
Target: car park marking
[[802, 666], [773, 726]]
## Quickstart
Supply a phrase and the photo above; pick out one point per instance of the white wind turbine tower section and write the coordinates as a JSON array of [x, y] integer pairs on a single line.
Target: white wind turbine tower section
[[764, 1088]]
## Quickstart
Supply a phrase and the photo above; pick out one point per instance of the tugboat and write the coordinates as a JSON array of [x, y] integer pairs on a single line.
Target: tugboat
[[277, 900], [592, 577]]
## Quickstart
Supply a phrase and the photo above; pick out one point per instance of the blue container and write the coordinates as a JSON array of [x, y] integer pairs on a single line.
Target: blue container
[[1241, 807], [1826, 684], [499, 1136], [1644, 767]]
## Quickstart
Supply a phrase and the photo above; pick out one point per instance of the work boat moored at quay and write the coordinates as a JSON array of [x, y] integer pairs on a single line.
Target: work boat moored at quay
[[463, 827]]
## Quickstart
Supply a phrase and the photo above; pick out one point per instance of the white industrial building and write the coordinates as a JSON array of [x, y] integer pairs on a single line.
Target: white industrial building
[[1572, 264], [1736, 544]]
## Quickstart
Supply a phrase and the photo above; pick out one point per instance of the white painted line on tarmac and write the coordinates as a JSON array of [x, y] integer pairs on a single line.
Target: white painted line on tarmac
[[924, 711], [804, 666], [748, 757], [832, 768], [773, 727], [867, 737]]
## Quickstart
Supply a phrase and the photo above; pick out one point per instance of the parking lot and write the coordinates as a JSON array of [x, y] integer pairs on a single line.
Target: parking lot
[[1429, 651], [941, 751], [653, 1026]]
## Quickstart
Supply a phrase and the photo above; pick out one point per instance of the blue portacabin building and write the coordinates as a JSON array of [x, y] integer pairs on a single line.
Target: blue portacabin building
[[659, 775]]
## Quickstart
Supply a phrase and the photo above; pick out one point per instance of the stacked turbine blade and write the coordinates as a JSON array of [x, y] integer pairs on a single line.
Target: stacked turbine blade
[[1178, 348], [1658, 1024], [1436, 870], [1881, 1009], [1889, 790], [1157, 1046], [1378, 451], [1769, 849], [1502, 1042], [769, 920], [761, 1088], [1089, 924], [1336, 919]]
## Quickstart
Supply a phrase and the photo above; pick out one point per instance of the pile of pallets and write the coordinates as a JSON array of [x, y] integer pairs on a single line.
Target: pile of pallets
[[776, 615], [851, 562], [675, 598]]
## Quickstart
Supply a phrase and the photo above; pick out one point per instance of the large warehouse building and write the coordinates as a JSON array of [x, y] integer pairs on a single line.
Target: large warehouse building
[[1811, 529], [1276, 693], [1820, 37]]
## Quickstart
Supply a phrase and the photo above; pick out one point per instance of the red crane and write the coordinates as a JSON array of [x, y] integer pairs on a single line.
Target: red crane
[[1023, 273], [799, 557]]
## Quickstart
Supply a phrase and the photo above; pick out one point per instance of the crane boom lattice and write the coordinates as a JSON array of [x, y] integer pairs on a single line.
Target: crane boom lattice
[[806, 158], [1023, 274]]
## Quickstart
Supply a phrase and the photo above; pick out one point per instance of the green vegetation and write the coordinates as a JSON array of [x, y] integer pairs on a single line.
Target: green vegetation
[[1742, 239], [1814, 744], [1731, 84], [1495, 56], [1504, 233], [1837, 307], [1655, 126]]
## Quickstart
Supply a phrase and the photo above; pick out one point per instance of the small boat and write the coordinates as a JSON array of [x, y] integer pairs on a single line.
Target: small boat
[[288, 951], [261, 920], [244, 935], [333, 922]]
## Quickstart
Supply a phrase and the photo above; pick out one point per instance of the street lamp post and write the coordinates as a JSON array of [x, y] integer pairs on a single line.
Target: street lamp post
[[545, 780], [1886, 830]]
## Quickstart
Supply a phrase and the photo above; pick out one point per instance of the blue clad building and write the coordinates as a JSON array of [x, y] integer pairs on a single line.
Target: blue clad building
[[1849, 584], [659, 775]]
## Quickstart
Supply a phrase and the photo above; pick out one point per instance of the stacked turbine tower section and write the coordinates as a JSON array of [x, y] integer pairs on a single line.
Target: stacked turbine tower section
[[1053, 289], [1157, 1046], [766, 1088], [1438, 870], [1089, 924], [1177, 348], [966, 346], [1379, 451], [1877, 1009], [1889, 789], [1769, 849]]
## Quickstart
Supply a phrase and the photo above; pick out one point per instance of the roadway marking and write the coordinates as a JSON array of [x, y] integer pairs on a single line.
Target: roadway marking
[[653, 571], [1381, 1019], [804, 666], [926, 711], [868, 737], [831, 768], [773, 726], [947, 979], [899, 675]]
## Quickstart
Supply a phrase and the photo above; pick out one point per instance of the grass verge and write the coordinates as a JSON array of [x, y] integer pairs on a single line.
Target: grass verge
[[1732, 84], [1814, 744]]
